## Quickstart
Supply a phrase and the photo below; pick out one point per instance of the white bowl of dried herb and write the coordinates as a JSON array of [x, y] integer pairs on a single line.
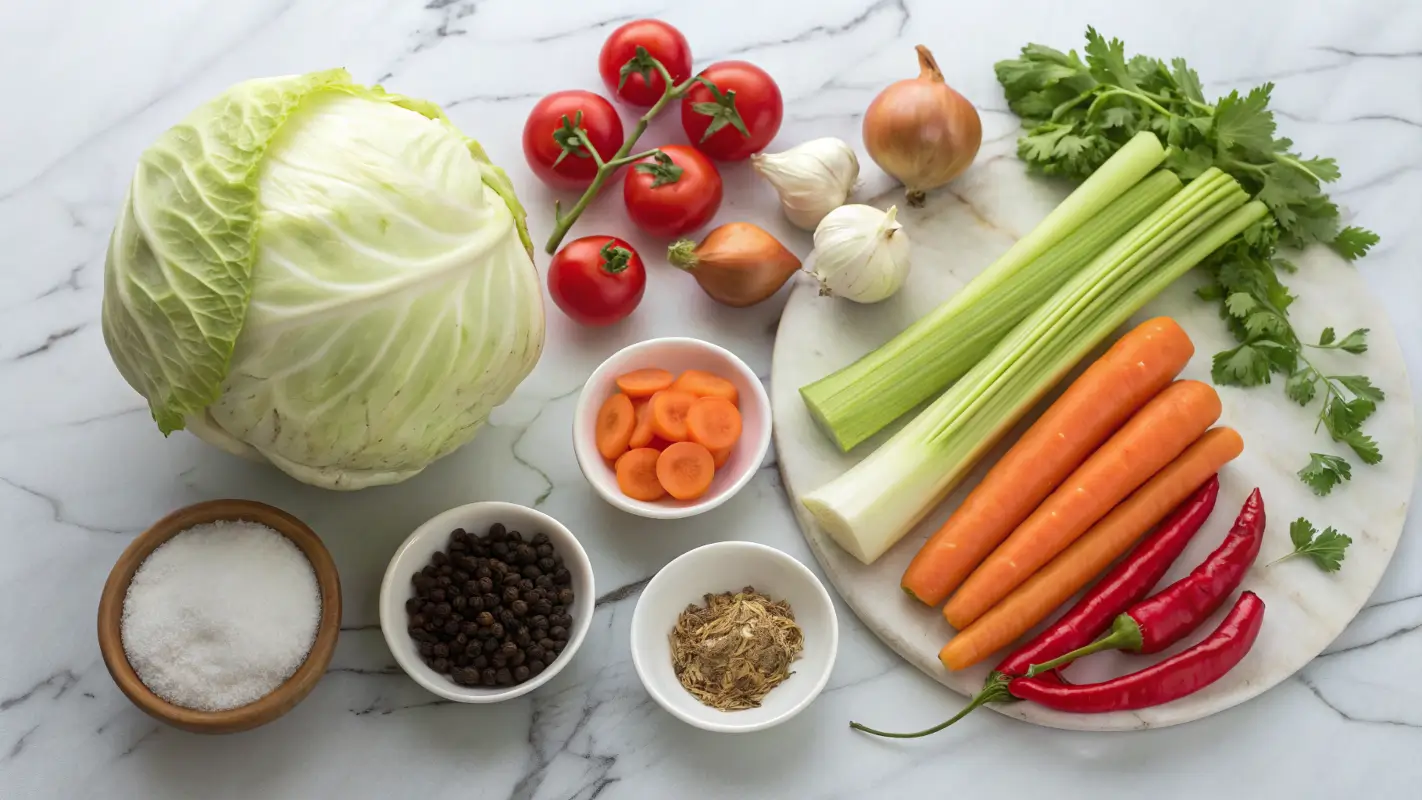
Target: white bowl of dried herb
[[734, 637]]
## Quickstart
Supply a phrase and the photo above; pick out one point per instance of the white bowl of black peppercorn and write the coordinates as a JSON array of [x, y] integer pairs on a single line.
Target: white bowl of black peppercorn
[[516, 635]]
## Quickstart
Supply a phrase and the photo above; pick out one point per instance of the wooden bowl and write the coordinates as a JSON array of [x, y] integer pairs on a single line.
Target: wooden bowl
[[284, 697]]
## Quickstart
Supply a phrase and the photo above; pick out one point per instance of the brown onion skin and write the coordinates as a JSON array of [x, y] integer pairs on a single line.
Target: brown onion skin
[[921, 131], [739, 264]]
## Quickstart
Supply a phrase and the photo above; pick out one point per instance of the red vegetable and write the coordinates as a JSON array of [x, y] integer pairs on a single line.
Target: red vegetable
[[1124, 585], [630, 78], [1175, 677], [738, 117], [1174, 612], [597, 280], [550, 125], [672, 193]]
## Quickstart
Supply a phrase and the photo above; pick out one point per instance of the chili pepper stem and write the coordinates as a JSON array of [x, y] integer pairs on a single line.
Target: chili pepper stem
[[994, 691], [563, 222], [1125, 635]]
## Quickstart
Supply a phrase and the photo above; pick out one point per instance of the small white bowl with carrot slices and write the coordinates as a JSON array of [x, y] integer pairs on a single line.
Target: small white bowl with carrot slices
[[669, 428]]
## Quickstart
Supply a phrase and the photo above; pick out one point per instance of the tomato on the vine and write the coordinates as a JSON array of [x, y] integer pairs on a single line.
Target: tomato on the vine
[[552, 142], [638, 83], [597, 280], [672, 193], [736, 118]]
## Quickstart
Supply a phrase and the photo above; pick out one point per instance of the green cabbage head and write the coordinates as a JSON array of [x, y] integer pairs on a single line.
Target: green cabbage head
[[325, 276]]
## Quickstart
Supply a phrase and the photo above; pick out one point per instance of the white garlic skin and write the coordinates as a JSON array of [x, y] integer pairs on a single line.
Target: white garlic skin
[[861, 253], [812, 178]]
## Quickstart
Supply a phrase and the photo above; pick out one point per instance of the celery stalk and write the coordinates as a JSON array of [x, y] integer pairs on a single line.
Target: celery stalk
[[870, 507], [859, 400]]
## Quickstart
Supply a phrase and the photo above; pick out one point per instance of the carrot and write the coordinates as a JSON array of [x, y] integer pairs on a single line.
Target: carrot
[[615, 421], [637, 474], [713, 422], [1122, 380], [704, 384], [685, 470], [720, 457], [644, 382], [642, 430], [1153, 437], [1090, 555], [659, 444], [669, 410]]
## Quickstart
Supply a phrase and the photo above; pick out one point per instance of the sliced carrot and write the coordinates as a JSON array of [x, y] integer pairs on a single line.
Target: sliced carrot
[[669, 409], [644, 382], [685, 470], [720, 457], [659, 444], [637, 474], [642, 431], [1090, 555], [713, 422], [704, 384], [615, 421], [1113, 388], [1153, 438]]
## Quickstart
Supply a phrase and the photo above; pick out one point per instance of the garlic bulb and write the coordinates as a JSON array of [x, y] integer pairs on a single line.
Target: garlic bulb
[[861, 253], [812, 178]]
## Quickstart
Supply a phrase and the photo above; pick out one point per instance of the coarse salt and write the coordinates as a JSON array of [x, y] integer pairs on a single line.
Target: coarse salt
[[220, 615]]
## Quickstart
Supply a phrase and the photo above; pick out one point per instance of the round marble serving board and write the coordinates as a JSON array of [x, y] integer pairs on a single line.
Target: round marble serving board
[[959, 231]]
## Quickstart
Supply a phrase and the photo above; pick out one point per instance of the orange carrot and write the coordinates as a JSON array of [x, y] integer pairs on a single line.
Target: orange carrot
[[642, 430], [669, 410], [659, 444], [704, 384], [720, 457], [713, 422], [637, 474], [1153, 438], [1090, 555], [685, 470], [615, 421], [1113, 388], [644, 382]]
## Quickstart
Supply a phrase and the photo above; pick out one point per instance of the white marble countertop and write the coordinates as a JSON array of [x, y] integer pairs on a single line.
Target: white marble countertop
[[82, 468]]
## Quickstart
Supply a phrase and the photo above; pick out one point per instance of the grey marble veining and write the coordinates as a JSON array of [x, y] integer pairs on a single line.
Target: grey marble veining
[[82, 468]]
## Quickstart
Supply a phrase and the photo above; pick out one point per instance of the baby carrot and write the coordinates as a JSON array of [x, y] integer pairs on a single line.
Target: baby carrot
[[1134, 370], [1150, 440], [685, 470], [713, 422], [615, 421], [644, 382], [1088, 556], [669, 410], [642, 431], [704, 384], [637, 474]]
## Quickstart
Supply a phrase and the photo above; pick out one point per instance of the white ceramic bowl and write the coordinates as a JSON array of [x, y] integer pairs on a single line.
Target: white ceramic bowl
[[476, 518], [728, 567], [674, 355]]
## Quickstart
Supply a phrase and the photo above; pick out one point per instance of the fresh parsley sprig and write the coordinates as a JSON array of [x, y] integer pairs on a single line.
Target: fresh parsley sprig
[[1326, 549], [1079, 111]]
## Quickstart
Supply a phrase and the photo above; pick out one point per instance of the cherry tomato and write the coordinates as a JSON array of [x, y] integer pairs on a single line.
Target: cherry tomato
[[662, 42], [597, 280], [739, 118], [673, 194], [585, 110]]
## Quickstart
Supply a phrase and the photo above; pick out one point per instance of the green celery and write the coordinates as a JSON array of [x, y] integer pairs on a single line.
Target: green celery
[[859, 400], [875, 503]]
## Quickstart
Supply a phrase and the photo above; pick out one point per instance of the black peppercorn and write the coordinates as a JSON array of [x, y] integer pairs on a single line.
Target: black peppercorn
[[460, 576], [508, 619], [497, 567], [457, 547], [460, 641], [562, 577], [467, 628], [437, 595], [440, 665], [510, 594], [488, 677], [439, 558], [480, 661], [518, 658], [445, 571], [466, 676], [460, 602], [417, 621], [430, 571], [441, 651], [451, 628], [491, 600], [412, 606], [539, 539], [527, 585], [508, 650], [532, 596], [535, 666], [515, 536], [498, 661], [486, 585], [475, 649], [497, 630], [442, 610], [565, 597], [536, 653], [541, 606], [547, 644], [522, 638], [538, 621], [544, 550], [426, 649], [484, 619], [503, 677], [490, 645], [544, 582], [497, 532], [519, 608], [558, 632], [500, 549], [545, 564], [520, 674]]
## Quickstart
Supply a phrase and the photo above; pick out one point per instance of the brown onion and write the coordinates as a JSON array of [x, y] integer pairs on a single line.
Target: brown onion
[[921, 131], [737, 264]]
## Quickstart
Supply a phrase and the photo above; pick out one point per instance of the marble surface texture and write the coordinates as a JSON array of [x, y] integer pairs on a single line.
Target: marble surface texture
[[82, 468]]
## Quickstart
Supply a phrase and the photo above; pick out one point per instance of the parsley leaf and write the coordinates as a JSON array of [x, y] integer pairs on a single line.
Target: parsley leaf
[[1360, 386], [1327, 549], [1355, 342], [1324, 472], [1302, 386], [1245, 121], [1353, 242], [1364, 446]]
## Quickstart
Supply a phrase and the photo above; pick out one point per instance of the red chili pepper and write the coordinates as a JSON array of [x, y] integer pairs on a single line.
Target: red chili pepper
[[1174, 612], [1122, 586], [1180, 675]]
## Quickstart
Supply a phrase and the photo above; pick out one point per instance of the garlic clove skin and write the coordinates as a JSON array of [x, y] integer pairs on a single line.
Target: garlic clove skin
[[861, 253], [812, 178]]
